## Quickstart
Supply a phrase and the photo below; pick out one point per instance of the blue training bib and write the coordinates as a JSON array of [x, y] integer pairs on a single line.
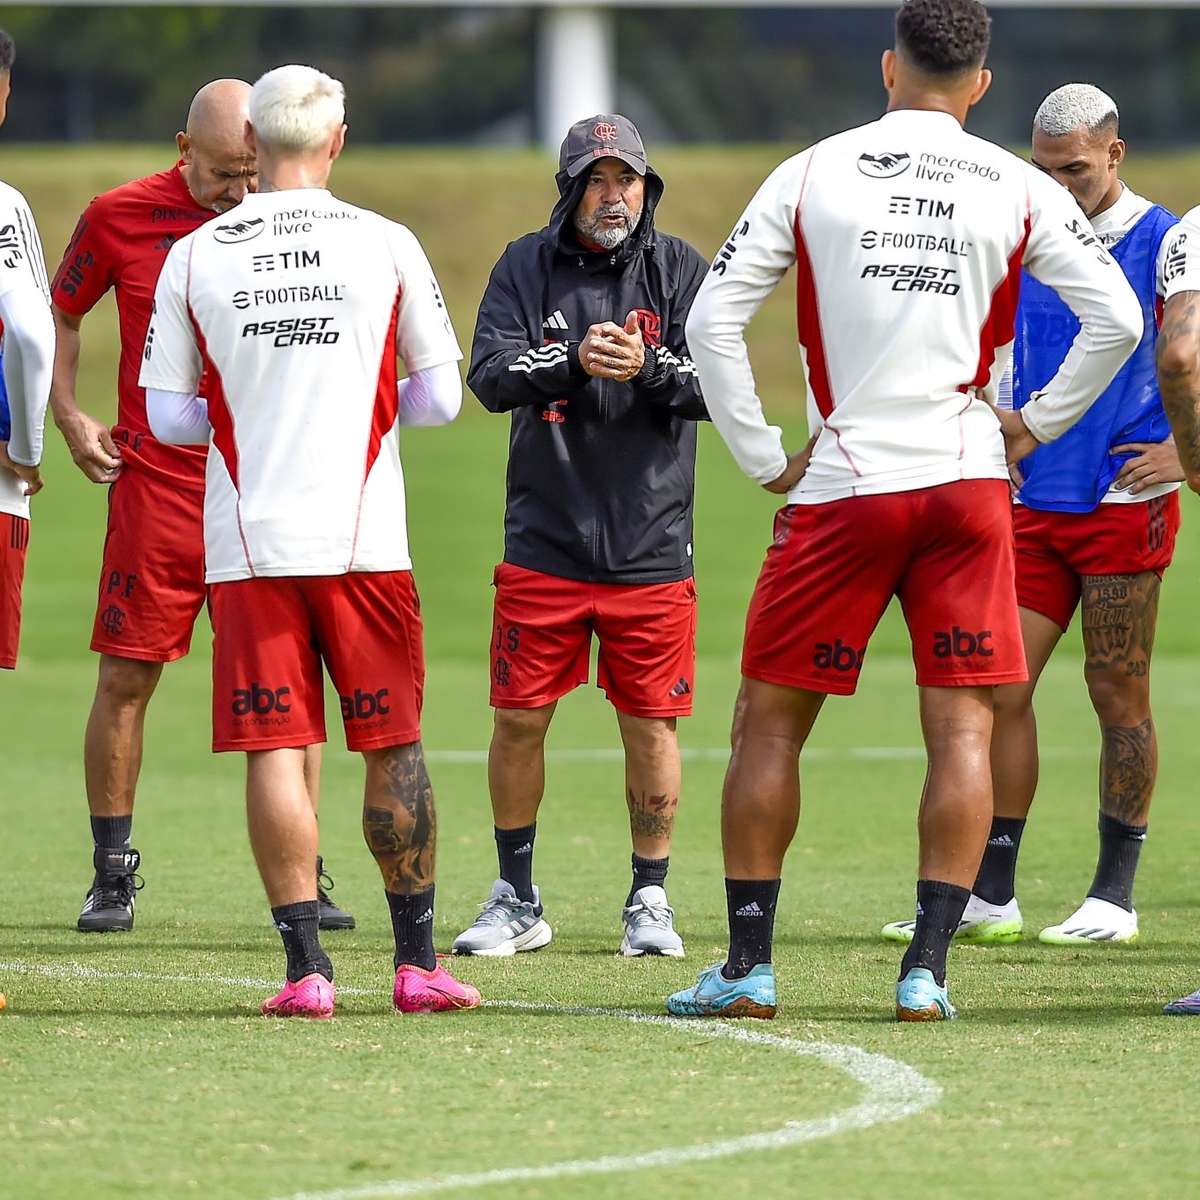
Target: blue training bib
[[5, 418], [1073, 473]]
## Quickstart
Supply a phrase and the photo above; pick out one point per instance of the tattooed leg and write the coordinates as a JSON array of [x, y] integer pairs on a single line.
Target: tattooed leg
[[652, 781], [399, 822], [1119, 616]]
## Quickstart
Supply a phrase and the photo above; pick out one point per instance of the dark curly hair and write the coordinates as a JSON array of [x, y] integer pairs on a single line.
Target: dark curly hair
[[8, 52], [943, 37]]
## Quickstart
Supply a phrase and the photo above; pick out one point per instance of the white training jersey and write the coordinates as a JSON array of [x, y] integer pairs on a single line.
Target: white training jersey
[[1110, 227], [23, 270], [1181, 271], [295, 305], [908, 236]]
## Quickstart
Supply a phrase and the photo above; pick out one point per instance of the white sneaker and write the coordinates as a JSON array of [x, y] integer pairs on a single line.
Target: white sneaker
[[649, 925], [505, 925], [982, 924], [1093, 921]]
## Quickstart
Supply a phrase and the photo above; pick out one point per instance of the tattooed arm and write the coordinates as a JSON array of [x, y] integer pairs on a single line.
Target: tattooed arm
[[1179, 378]]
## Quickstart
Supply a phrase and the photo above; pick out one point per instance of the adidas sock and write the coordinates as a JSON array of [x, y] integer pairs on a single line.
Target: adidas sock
[[412, 923], [940, 907], [1120, 848], [112, 833], [514, 848], [648, 872], [997, 878], [297, 925], [751, 904]]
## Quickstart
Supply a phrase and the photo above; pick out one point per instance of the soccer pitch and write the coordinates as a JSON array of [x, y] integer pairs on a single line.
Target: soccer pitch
[[137, 1065]]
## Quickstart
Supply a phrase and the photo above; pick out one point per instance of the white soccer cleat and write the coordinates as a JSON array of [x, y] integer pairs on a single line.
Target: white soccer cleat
[[1093, 921], [649, 925], [982, 924]]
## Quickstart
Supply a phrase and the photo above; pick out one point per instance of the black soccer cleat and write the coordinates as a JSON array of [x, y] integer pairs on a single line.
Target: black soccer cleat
[[331, 916], [108, 906]]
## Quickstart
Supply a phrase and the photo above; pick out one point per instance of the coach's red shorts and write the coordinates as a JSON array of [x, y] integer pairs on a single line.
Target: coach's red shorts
[[271, 636], [1055, 550], [542, 634], [152, 579], [14, 542], [947, 552]]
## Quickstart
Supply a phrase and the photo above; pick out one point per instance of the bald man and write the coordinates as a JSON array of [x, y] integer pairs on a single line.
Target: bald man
[[152, 578]]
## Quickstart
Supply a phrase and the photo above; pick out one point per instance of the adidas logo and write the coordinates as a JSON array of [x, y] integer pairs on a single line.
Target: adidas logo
[[920, 910], [525, 849], [427, 915], [750, 910], [1002, 840], [283, 927], [556, 321]]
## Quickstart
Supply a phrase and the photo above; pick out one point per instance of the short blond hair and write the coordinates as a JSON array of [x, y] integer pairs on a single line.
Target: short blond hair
[[296, 108]]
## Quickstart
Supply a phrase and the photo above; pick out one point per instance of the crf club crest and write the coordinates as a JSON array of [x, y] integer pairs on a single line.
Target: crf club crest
[[650, 326], [604, 131]]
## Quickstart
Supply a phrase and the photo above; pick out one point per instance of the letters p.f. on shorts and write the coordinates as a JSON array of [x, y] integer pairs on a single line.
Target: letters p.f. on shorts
[[271, 637], [946, 552]]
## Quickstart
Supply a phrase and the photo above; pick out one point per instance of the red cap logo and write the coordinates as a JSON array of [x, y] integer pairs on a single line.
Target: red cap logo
[[605, 131]]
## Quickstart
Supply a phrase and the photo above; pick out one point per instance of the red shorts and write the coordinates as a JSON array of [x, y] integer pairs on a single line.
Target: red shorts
[[542, 635], [14, 542], [152, 579], [271, 636], [1055, 550], [947, 552]]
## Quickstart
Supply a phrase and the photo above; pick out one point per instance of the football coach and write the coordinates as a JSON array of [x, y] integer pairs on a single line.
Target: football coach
[[580, 337]]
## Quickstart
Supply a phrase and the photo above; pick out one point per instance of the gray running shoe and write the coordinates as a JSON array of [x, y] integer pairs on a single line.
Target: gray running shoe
[[505, 925], [649, 927]]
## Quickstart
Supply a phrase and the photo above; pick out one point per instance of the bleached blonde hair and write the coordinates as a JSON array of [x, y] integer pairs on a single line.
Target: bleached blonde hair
[[296, 108], [1076, 106]]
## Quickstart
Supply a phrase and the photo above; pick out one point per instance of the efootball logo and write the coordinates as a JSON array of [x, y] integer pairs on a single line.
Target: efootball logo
[[238, 231], [883, 166]]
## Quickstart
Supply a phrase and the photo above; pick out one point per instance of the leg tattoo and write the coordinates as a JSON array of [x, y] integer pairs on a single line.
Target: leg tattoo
[[1127, 770], [651, 814], [399, 822]]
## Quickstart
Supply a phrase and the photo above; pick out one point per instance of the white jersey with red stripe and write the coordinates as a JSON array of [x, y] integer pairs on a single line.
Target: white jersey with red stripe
[[294, 305], [908, 236]]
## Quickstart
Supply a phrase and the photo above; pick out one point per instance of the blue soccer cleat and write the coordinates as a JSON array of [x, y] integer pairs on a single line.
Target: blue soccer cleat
[[1185, 1006], [715, 996], [919, 998]]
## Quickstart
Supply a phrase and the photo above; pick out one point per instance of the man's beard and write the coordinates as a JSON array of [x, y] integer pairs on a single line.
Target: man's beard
[[608, 236]]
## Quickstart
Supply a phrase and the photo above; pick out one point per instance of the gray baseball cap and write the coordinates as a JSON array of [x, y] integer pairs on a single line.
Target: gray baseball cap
[[606, 135]]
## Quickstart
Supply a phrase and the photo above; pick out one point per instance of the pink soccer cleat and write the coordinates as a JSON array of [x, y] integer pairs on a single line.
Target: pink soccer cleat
[[311, 997], [421, 991]]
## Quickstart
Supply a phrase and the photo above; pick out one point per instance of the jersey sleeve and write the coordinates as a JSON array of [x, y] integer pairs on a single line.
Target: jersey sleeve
[[1063, 253], [171, 361], [22, 266], [1181, 263], [745, 270], [88, 267], [424, 335]]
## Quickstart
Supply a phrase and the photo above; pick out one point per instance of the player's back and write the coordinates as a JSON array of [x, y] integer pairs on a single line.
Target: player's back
[[295, 295]]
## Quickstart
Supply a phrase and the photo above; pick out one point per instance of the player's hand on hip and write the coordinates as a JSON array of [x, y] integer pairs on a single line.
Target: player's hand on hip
[[92, 447], [613, 351], [1019, 443], [31, 477], [1155, 463], [794, 471]]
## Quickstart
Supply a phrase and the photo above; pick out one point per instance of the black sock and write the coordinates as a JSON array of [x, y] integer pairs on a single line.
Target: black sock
[[297, 925], [997, 878], [648, 872], [1120, 847], [940, 907], [514, 848], [412, 923], [112, 833], [751, 904]]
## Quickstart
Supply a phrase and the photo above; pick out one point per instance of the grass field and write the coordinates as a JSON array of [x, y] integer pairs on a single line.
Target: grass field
[[136, 1066]]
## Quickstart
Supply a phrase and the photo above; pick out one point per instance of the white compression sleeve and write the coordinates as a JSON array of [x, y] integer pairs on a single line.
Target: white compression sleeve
[[177, 417], [28, 363], [432, 396]]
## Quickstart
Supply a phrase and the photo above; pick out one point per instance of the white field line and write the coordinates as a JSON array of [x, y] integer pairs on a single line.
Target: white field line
[[892, 1091], [721, 754]]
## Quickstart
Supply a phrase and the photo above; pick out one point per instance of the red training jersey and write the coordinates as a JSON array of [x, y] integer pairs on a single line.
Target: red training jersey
[[121, 242]]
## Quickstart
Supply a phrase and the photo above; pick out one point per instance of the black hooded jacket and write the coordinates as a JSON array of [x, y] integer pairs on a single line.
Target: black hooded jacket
[[601, 474]]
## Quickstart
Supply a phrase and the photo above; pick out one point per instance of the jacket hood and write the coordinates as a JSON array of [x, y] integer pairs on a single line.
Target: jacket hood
[[570, 192]]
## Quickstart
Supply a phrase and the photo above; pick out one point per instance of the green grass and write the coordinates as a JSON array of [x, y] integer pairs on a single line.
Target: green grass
[[1060, 1080]]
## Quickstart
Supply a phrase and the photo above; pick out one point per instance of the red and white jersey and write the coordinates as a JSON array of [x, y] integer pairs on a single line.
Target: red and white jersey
[[297, 304], [908, 236]]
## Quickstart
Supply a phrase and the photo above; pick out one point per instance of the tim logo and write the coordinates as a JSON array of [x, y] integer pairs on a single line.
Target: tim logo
[[362, 706], [837, 656], [604, 131], [261, 701], [239, 231], [113, 620], [883, 166], [960, 643], [650, 325]]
